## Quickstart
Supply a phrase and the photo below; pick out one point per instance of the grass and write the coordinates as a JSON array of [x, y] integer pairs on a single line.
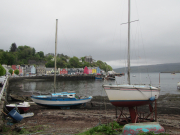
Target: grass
[[104, 129], [7, 130], [112, 129]]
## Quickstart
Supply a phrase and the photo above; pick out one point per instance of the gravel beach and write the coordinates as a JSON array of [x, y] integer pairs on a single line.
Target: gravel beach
[[76, 120]]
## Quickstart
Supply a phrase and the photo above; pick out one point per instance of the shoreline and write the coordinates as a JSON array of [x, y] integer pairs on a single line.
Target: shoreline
[[77, 120]]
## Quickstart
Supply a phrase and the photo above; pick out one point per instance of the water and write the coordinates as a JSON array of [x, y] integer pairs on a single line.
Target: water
[[168, 83]]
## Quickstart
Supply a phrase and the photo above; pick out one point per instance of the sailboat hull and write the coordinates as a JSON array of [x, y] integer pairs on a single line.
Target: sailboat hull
[[131, 95], [59, 101]]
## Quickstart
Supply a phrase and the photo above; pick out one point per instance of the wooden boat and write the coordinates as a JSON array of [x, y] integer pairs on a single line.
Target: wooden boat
[[22, 107], [16, 97], [63, 99]]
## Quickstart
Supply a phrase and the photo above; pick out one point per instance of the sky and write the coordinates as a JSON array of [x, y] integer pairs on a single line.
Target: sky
[[95, 27]]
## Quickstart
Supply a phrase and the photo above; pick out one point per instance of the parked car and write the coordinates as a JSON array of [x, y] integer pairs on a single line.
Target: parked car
[[2, 80]]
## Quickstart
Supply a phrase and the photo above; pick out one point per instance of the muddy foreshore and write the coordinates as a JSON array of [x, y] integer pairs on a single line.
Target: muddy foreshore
[[76, 120]]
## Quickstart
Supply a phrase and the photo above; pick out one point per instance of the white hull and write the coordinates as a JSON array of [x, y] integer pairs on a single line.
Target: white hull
[[131, 95], [60, 103]]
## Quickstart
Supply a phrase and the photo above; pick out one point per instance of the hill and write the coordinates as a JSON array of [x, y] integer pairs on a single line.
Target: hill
[[168, 67]]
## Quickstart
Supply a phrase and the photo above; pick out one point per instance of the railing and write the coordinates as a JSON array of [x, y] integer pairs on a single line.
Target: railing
[[2, 91]]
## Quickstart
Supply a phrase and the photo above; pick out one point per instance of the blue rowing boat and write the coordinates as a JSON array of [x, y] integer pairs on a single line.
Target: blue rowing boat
[[63, 99]]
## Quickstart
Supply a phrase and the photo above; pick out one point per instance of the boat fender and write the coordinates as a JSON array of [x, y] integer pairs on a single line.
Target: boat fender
[[152, 98]]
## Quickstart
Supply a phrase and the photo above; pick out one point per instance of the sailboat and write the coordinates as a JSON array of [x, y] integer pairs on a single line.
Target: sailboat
[[63, 99], [131, 95]]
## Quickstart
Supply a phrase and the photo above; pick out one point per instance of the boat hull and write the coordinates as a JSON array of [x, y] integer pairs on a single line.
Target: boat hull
[[21, 109], [130, 96], [56, 101]]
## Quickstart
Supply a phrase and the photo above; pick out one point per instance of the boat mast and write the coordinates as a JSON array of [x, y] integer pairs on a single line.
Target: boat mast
[[128, 60], [55, 57]]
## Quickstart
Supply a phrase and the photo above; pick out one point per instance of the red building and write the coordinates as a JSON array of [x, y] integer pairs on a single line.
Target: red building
[[63, 71], [13, 67], [86, 70]]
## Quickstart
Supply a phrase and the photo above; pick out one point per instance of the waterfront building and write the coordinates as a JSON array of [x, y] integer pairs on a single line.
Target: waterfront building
[[63, 71], [89, 70], [94, 70], [13, 67], [20, 69], [27, 71], [86, 70], [49, 71], [71, 71], [41, 70], [98, 70], [33, 70]]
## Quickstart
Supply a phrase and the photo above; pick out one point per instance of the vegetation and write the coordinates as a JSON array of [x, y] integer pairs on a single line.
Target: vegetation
[[12, 130], [2, 70], [112, 129], [104, 129], [16, 72], [21, 54], [11, 71]]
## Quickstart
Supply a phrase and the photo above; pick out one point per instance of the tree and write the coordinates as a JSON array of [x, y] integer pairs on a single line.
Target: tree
[[2, 70], [41, 54], [74, 62], [10, 71], [16, 72], [13, 47], [33, 52]]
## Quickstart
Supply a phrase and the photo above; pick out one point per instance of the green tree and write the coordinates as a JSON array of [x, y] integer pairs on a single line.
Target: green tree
[[16, 72], [74, 62], [2, 70], [50, 64], [49, 58], [33, 52], [41, 54], [13, 47], [10, 71]]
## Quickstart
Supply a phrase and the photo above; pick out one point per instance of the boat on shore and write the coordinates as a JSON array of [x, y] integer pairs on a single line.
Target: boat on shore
[[131, 95], [62, 99], [22, 107]]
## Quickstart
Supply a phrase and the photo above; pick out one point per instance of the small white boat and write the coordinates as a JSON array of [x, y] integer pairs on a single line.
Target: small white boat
[[22, 107]]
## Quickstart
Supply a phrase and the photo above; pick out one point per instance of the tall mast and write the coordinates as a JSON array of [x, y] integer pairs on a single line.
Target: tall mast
[[55, 57], [128, 60]]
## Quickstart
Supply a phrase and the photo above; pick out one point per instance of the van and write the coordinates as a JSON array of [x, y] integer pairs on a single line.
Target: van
[[2, 80]]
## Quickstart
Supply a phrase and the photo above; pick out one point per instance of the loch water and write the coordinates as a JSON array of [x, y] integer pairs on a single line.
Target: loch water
[[168, 83]]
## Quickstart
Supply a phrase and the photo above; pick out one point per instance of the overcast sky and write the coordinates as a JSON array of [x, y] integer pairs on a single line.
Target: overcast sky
[[93, 27]]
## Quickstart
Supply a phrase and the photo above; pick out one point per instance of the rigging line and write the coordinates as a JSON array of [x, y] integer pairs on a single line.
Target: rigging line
[[143, 43], [136, 53]]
